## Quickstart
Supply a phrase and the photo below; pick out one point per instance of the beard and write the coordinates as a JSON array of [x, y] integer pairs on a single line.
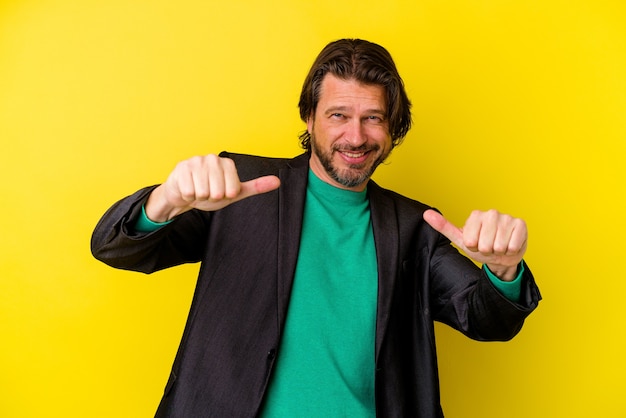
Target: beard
[[355, 174]]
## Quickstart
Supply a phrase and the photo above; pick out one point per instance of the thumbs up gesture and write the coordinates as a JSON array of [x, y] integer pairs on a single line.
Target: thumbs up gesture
[[492, 238], [207, 183]]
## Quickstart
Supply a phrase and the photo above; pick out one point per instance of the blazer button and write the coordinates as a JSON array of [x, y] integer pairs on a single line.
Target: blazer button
[[271, 354]]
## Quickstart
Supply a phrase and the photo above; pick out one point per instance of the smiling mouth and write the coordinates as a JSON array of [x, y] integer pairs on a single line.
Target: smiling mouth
[[354, 154]]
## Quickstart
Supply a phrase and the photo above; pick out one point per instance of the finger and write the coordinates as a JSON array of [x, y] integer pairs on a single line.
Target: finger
[[232, 184], [214, 168], [443, 226], [519, 238], [502, 240], [482, 231], [258, 186], [472, 230], [183, 184], [200, 188]]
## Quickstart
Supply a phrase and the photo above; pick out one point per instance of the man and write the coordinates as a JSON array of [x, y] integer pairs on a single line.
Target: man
[[318, 289]]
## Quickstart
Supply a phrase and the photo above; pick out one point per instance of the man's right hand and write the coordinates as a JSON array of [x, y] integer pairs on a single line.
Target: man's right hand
[[207, 183]]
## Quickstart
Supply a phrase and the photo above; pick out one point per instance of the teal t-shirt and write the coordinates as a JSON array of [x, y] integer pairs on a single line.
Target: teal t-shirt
[[325, 364]]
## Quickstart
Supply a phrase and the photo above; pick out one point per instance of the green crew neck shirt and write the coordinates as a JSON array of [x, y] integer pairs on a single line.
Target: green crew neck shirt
[[325, 364]]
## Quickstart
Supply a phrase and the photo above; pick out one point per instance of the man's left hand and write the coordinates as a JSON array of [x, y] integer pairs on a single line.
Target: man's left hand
[[492, 238]]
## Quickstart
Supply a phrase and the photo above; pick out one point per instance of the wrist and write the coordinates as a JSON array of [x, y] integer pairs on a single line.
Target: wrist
[[145, 224], [158, 209], [504, 273]]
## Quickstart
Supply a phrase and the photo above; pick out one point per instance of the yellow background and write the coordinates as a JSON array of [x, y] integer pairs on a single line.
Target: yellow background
[[518, 105]]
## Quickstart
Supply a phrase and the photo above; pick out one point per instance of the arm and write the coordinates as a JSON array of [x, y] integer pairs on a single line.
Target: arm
[[471, 299], [116, 242], [206, 184]]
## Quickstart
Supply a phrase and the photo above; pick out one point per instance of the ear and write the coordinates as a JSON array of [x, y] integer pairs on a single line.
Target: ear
[[309, 122]]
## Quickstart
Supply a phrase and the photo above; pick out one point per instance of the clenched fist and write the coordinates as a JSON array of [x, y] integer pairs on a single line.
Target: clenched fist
[[208, 183], [492, 238]]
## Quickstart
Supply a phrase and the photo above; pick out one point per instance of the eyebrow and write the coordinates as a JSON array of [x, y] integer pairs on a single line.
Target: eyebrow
[[334, 109]]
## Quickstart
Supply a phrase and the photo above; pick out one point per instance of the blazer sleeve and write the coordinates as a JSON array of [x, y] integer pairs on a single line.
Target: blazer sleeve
[[463, 297], [115, 243]]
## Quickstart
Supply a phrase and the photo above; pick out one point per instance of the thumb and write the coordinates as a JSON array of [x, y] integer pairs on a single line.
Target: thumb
[[443, 226], [258, 186]]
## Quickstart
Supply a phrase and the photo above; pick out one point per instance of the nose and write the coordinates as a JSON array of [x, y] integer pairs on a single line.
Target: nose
[[355, 133]]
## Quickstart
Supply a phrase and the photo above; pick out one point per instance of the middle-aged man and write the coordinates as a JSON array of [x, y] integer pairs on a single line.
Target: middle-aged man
[[318, 288]]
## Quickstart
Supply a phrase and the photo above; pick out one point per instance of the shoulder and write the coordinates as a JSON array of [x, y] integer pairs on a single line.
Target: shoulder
[[401, 203], [408, 213], [251, 166]]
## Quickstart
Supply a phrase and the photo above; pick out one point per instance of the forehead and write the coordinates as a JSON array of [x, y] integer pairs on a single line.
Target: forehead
[[335, 90]]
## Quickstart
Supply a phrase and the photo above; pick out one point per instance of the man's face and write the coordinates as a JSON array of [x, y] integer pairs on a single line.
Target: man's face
[[349, 132]]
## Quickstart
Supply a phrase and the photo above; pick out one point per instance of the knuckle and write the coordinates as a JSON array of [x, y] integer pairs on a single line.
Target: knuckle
[[500, 248], [485, 249], [470, 243], [493, 214], [195, 161], [233, 191], [182, 166], [475, 213], [227, 162], [202, 195], [216, 196], [210, 160], [188, 195]]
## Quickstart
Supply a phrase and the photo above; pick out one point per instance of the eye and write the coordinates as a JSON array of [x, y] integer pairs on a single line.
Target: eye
[[336, 115], [375, 119]]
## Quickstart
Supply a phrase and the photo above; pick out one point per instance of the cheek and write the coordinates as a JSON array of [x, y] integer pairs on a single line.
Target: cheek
[[327, 131], [380, 135]]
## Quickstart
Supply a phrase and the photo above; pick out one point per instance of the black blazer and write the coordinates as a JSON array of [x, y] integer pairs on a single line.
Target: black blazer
[[249, 251]]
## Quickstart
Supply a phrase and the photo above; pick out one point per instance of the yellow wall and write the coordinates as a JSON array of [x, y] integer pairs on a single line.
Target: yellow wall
[[519, 105]]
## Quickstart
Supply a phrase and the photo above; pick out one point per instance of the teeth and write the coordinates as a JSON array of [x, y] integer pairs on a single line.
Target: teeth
[[354, 154]]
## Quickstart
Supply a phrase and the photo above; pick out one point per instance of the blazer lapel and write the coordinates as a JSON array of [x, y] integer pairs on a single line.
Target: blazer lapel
[[385, 226], [291, 196]]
